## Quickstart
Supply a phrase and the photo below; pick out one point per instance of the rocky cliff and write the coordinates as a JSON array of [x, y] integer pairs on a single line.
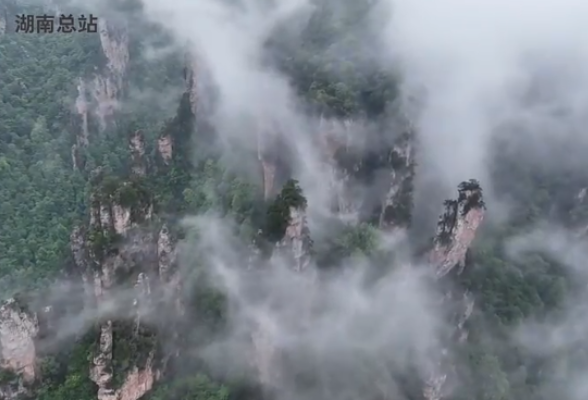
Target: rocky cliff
[[98, 95], [457, 228], [293, 252], [124, 242], [456, 231], [107, 85], [19, 328], [357, 155]]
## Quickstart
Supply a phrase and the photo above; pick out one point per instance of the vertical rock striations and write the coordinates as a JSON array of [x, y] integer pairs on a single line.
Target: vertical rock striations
[[98, 96], [456, 231], [457, 228], [266, 155], [292, 251], [192, 80], [370, 175], [18, 355], [126, 258], [397, 199], [80, 125], [296, 245], [137, 150], [334, 138], [108, 84]]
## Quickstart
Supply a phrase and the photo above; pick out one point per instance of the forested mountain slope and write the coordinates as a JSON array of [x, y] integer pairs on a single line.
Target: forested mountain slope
[[245, 200]]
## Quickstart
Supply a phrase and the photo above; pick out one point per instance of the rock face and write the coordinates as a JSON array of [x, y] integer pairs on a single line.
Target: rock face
[[293, 252], [125, 243], [18, 330], [354, 153], [296, 244], [137, 150], [126, 255], [113, 220], [98, 97], [457, 229], [396, 202], [80, 124], [18, 354], [335, 136], [266, 150], [108, 85], [192, 81], [165, 148]]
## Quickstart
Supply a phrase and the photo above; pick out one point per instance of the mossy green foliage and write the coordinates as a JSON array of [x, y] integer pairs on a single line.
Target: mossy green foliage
[[7, 376], [65, 375], [175, 176], [351, 241], [131, 346], [447, 221], [42, 197], [102, 242], [133, 193], [216, 188], [400, 212], [209, 308], [330, 67], [475, 200], [278, 212], [196, 387]]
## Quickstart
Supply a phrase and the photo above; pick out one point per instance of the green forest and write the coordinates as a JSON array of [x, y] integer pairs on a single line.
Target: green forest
[[43, 197]]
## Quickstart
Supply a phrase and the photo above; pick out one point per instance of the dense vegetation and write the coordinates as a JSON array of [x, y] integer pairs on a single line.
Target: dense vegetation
[[42, 197]]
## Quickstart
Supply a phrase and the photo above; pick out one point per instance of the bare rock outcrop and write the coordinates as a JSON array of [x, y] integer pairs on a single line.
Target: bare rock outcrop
[[456, 231], [334, 136], [123, 244], [165, 148], [266, 154], [293, 252], [135, 254], [80, 124], [18, 329], [137, 150], [18, 354], [192, 81], [396, 202], [139, 381], [457, 228], [108, 84], [355, 150], [296, 245], [98, 96]]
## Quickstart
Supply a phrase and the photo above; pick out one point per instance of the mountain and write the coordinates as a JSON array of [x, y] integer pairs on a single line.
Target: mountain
[[245, 200]]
